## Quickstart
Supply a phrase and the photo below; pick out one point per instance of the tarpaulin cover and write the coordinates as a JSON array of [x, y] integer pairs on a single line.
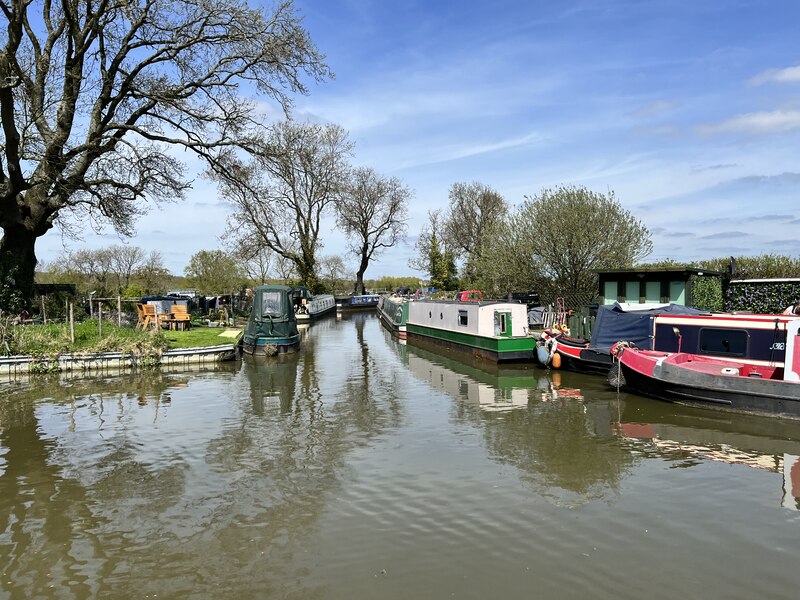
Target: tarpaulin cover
[[272, 315], [613, 324]]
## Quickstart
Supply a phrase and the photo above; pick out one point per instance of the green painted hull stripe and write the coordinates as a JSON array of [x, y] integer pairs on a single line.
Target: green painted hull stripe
[[499, 345]]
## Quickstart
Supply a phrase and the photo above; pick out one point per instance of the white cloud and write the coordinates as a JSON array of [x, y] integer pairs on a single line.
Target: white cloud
[[762, 122], [787, 75]]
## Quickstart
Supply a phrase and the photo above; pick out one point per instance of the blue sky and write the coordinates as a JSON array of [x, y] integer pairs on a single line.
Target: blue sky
[[688, 110]]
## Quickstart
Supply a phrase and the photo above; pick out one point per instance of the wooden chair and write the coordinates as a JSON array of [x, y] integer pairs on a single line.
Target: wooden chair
[[150, 316], [140, 317], [180, 317]]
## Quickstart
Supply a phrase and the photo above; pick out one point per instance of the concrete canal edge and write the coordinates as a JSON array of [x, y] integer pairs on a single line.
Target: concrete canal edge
[[12, 366]]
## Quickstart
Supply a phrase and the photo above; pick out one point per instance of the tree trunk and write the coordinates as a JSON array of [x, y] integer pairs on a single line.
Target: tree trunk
[[359, 289], [17, 269]]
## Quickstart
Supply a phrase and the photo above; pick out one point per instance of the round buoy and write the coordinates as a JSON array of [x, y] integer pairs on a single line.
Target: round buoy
[[556, 361], [542, 355]]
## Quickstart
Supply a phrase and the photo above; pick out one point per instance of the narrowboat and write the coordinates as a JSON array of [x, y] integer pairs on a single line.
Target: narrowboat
[[272, 326], [361, 302], [733, 377], [753, 338], [309, 307], [630, 322], [493, 330], [393, 312]]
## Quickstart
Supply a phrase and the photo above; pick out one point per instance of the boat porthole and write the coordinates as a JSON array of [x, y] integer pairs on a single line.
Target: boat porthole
[[430, 315], [441, 316]]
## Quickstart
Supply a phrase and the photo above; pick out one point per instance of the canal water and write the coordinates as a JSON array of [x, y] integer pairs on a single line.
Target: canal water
[[364, 468]]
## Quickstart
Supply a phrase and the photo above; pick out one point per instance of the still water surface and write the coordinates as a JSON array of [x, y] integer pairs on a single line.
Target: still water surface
[[363, 468]]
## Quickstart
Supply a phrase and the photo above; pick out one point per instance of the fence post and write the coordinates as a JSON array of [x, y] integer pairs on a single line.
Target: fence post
[[119, 311], [100, 319], [44, 314], [71, 323]]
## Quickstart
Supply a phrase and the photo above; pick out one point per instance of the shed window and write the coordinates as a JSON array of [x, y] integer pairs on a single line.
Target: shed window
[[610, 292], [632, 291], [653, 291], [462, 317], [723, 342]]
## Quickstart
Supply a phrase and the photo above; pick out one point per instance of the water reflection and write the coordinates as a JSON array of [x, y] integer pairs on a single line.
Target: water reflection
[[286, 476], [690, 437]]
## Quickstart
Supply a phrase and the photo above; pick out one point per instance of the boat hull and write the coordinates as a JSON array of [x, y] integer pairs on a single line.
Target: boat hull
[[490, 348], [269, 346], [674, 383]]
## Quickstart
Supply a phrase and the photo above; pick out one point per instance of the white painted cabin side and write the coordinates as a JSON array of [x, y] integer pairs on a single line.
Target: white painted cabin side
[[451, 316]]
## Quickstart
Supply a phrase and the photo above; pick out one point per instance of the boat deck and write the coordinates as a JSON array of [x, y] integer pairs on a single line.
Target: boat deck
[[712, 366]]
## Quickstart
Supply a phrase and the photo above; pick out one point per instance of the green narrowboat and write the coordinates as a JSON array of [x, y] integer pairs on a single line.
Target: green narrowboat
[[272, 327]]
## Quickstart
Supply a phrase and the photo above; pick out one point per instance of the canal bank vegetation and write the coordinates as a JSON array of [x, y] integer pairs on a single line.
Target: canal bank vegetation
[[53, 339]]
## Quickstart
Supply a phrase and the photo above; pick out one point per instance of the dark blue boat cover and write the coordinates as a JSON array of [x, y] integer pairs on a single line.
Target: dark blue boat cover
[[614, 324]]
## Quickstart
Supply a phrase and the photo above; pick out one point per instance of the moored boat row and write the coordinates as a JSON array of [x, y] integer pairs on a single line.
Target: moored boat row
[[740, 362]]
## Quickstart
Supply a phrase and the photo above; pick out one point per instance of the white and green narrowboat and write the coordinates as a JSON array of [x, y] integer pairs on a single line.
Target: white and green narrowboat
[[493, 330]]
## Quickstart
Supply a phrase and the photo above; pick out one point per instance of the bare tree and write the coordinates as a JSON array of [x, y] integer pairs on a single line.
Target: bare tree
[[373, 211], [281, 194], [256, 260], [93, 94], [124, 262], [333, 272], [152, 274], [474, 211]]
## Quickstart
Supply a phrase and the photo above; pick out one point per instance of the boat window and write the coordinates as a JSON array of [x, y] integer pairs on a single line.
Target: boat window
[[462, 317], [271, 305], [723, 342]]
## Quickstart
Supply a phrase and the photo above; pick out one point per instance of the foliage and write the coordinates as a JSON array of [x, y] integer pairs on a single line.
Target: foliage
[[707, 293], [53, 339], [215, 272], [110, 271], [296, 174], [392, 283], [434, 256], [556, 241], [92, 95], [762, 266], [764, 298], [373, 212], [474, 212]]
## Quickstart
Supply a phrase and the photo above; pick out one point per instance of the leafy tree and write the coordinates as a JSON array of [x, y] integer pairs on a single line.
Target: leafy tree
[[93, 94], [434, 257], [474, 211], [215, 272], [556, 241], [373, 212], [279, 197]]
